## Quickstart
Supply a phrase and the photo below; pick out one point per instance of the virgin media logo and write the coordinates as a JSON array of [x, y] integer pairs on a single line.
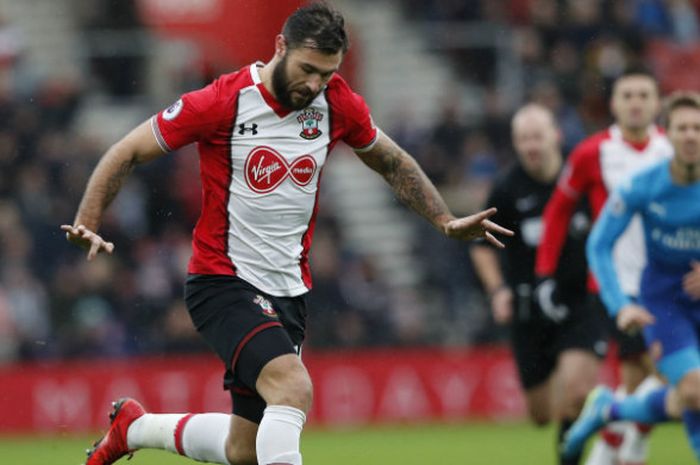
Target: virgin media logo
[[265, 169]]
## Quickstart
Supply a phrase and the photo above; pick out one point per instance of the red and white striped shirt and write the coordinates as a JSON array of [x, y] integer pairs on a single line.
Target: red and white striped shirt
[[598, 165], [260, 166]]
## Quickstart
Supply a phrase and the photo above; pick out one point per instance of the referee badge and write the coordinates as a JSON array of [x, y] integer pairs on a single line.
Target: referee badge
[[266, 306]]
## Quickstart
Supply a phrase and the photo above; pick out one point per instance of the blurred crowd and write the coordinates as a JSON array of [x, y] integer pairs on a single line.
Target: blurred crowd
[[53, 303], [569, 52]]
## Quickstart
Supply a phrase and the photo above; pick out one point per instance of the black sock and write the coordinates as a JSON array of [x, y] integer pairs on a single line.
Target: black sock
[[563, 428]]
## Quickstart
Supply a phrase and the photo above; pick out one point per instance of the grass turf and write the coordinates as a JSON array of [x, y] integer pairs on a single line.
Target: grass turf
[[433, 444]]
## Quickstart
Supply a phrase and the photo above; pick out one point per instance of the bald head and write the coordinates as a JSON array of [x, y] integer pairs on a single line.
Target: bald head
[[532, 114], [536, 140]]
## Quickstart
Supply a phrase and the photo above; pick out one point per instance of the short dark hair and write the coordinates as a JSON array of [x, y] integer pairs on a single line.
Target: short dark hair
[[316, 26], [679, 99], [637, 70]]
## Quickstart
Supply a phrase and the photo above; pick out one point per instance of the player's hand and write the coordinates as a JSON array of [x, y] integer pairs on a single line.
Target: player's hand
[[502, 305], [477, 226], [91, 241], [549, 300], [632, 318], [691, 281]]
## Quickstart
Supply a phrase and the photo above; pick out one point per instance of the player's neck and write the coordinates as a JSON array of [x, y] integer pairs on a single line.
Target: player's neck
[[684, 173], [265, 74], [635, 135]]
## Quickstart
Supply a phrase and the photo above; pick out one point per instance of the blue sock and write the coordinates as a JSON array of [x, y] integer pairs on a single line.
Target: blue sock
[[649, 408], [691, 418]]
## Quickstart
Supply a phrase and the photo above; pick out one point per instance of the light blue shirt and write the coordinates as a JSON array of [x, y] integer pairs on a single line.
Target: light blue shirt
[[671, 217]]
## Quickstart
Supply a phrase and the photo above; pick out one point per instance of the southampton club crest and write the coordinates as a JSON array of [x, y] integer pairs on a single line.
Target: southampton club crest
[[266, 306], [309, 119]]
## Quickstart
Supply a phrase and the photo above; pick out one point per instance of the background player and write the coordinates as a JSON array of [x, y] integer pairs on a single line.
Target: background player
[[667, 197], [596, 166], [263, 133], [558, 361]]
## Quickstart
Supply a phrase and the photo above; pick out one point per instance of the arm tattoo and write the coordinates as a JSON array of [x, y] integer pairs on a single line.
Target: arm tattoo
[[409, 183], [114, 183], [103, 186]]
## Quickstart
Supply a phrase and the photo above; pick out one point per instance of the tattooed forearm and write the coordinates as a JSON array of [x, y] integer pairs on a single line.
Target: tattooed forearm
[[103, 187], [413, 188], [409, 183], [115, 181], [139, 146]]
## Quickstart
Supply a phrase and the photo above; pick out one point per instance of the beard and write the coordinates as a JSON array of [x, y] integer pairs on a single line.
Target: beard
[[283, 93]]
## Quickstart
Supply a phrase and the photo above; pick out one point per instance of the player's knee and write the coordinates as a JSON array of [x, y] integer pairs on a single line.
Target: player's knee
[[286, 382], [238, 455], [298, 392]]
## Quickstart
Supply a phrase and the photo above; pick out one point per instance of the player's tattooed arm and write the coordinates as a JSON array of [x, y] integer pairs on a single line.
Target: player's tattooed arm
[[408, 181], [412, 187], [138, 146]]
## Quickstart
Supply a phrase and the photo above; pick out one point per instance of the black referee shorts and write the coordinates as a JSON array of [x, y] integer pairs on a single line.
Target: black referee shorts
[[537, 341], [246, 328]]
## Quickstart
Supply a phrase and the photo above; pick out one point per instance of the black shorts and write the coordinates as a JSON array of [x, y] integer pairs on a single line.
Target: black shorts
[[246, 328], [629, 346], [537, 342]]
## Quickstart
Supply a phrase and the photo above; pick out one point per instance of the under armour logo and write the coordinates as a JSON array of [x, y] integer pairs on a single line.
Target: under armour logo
[[242, 129]]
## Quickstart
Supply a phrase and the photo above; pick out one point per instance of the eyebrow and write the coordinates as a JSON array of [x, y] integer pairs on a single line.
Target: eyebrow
[[318, 70]]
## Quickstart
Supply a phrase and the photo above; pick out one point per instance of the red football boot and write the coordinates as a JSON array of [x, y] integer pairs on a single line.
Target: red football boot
[[113, 445]]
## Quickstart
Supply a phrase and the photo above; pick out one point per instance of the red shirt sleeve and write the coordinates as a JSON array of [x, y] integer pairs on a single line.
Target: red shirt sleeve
[[556, 218], [352, 114], [194, 117], [576, 179], [579, 174]]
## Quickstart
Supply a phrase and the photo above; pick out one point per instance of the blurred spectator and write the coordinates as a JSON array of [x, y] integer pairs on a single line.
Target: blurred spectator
[[652, 17], [370, 300], [119, 69], [11, 44], [684, 21], [548, 94], [28, 308]]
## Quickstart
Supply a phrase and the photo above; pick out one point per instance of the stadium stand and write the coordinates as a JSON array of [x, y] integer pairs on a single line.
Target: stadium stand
[[55, 305]]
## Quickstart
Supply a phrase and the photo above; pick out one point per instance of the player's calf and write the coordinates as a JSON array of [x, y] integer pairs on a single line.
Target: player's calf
[[241, 455], [538, 399], [578, 373]]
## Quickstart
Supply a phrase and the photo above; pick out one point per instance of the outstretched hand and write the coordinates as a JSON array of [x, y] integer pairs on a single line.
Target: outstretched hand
[[89, 240], [477, 226], [633, 318]]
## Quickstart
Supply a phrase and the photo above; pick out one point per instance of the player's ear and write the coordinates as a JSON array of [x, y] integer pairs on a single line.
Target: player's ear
[[280, 46]]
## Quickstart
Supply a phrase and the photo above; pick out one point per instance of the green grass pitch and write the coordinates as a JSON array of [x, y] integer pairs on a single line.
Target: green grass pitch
[[431, 444]]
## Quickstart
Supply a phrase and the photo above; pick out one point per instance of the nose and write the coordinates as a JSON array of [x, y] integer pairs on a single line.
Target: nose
[[314, 83]]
